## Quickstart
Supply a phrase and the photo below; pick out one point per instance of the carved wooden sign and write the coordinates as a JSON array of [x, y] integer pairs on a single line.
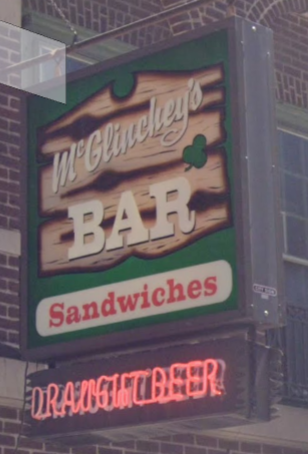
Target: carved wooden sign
[[134, 201], [153, 166]]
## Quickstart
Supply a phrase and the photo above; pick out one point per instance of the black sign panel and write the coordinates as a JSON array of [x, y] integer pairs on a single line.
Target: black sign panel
[[158, 391]]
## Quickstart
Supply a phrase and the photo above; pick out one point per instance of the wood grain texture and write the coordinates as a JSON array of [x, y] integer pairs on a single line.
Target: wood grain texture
[[147, 162], [108, 184], [54, 251], [103, 106], [210, 201]]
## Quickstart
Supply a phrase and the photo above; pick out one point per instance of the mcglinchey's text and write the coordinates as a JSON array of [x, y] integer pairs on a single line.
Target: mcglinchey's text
[[181, 381], [170, 121]]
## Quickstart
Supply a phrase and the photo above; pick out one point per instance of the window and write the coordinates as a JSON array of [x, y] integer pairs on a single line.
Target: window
[[293, 339], [293, 150], [294, 186]]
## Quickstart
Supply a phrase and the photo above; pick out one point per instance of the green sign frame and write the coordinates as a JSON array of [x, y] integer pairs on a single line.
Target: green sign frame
[[55, 289]]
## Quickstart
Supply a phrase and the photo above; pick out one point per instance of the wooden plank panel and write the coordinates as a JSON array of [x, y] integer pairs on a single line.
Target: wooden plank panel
[[104, 105]]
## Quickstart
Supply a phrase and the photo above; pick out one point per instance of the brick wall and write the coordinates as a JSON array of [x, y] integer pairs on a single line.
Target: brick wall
[[9, 305], [176, 444], [9, 189], [101, 16]]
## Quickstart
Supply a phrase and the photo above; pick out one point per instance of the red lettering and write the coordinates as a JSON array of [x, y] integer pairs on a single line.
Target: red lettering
[[156, 301], [210, 285], [194, 379], [137, 376], [145, 300], [90, 311], [173, 290], [102, 392], [130, 302], [56, 317], [73, 315], [159, 381], [194, 289], [114, 390], [176, 383], [87, 391], [210, 376], [69, 399], [37, 403], [123, 393], [108, 305], [176, 380], [52, 397]]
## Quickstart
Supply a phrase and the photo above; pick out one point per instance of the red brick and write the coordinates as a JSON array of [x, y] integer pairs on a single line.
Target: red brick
[[14, 223], [9, 272], [13, 286], [9, 298], [195, 450], [216, 451], [107, 450], [10, 138], [7, 440], [84, 450], [129, 444], [13, 312], [13, 337], [229, 445], [267, 449], [292, 451], [3, 335], [55, 447], [9, 324], [14, 200], [8, 413], [171, 448], [4, 198], [10, 162], [12, 427], [9, 211], [4, 174], [3, 259], [4, 222], [9, 187], [147, 446], [250, 447], [206, 441], [184, 438], [14, 261], [13, 451], [3, 284], [14, 175]]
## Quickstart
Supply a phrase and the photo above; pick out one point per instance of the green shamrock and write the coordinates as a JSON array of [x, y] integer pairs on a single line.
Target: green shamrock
[[195, 154]]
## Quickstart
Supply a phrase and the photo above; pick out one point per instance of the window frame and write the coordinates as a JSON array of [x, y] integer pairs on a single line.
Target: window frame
[[292, 120]]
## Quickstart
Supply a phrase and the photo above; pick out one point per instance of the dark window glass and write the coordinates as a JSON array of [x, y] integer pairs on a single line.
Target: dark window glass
[[294, 283], [289, 145], [296, 237], [293, 196], [305, 153]]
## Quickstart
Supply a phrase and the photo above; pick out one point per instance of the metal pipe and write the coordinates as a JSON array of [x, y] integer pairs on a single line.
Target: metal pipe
[[153, 19]]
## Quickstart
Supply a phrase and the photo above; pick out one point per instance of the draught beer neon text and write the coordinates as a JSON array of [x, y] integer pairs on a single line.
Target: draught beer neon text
[[180, 381]]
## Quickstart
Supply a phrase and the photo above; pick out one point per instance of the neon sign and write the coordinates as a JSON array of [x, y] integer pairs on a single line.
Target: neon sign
[[178, 382]]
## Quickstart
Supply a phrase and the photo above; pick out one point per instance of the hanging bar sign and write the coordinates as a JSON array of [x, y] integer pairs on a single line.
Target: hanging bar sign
[[137, 221]]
